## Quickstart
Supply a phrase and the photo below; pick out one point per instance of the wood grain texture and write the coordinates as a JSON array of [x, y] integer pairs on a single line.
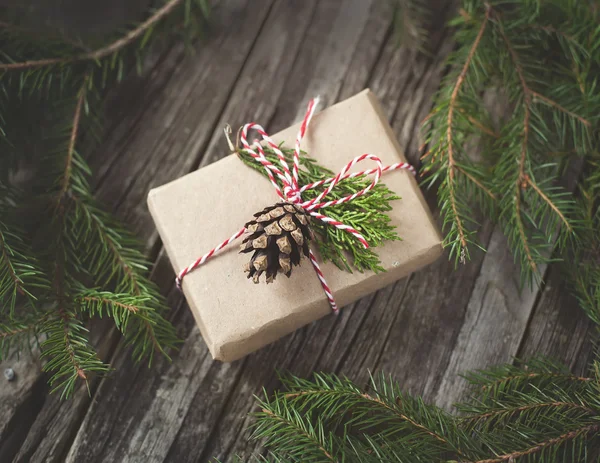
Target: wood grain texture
[[559, 328], [148, 129], [41, 425], [495, 321], [20, 400], [261, 62]]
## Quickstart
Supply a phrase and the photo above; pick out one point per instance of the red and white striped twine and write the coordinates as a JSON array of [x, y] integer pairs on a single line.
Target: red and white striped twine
[[292, 192]]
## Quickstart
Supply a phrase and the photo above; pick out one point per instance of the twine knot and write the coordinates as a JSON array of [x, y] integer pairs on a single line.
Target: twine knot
[[292, 192]]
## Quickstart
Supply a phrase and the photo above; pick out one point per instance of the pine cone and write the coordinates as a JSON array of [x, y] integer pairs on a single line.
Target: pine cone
[[279, 235]]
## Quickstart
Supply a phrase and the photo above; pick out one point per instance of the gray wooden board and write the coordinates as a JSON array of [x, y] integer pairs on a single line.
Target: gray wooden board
[[261, 62]]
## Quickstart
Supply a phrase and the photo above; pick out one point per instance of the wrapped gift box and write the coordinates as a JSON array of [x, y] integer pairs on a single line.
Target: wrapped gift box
[[196, 212]]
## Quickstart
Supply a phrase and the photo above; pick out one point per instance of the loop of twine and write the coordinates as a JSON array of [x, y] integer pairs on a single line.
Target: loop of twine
[[292, 192]]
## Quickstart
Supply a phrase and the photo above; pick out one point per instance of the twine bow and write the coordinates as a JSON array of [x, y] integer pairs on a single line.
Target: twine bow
[[292, 192]]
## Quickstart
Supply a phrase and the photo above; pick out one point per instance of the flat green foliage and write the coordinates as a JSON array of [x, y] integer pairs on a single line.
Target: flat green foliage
[[368, 213], [63, 258]]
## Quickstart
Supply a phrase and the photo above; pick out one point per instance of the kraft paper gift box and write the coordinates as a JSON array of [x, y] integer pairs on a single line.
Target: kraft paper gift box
[[198, 211]]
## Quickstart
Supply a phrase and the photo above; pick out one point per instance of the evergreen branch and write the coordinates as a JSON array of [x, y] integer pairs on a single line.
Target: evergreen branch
[[404, 417], [17, 334], [106, 301], [554, 104], [70, 356], [20, 275], [348, 395], [550, 203], [114, 260], [522, 175], [136, 316], [476, 182], [518, 410], [112, 237], [334, 397], [70, 348], [103, 52], [449, 134], [543, 445], [66, 178], [480, 126], [301, 431]]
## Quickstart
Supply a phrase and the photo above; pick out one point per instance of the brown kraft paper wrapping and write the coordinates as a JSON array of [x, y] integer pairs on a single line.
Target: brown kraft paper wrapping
[[198, 211]]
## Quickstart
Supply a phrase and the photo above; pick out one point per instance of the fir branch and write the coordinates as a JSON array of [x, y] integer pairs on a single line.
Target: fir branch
[[114, 261], [136, 316], [522, 175], [66, 177], [510, 412], [297, 427], [20, 275], [554, 104], [389, 409], [543, 445], [449, 135], [18, 334], [550, 203], [513, 181], [70, 356], [49, 79], [103, 52]]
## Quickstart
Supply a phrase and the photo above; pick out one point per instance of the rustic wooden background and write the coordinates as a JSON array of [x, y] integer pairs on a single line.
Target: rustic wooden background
[[262, 60]]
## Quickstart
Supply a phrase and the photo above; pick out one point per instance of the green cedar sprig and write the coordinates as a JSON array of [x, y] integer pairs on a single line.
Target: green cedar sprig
[[367, 213]]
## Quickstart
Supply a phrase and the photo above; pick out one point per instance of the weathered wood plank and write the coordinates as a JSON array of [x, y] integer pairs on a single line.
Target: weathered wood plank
[[498, 313], [495, 321], [263, 71], [20, 400], [173, 113], [57, 421], [194, 408], [236, 111], [148, 129], [320, 342], [559, 328]]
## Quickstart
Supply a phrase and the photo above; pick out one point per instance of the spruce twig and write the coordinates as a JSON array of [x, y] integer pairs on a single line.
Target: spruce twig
[[96, 267], [460, 228], [537, 411], [103, 52], [553, 106]]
